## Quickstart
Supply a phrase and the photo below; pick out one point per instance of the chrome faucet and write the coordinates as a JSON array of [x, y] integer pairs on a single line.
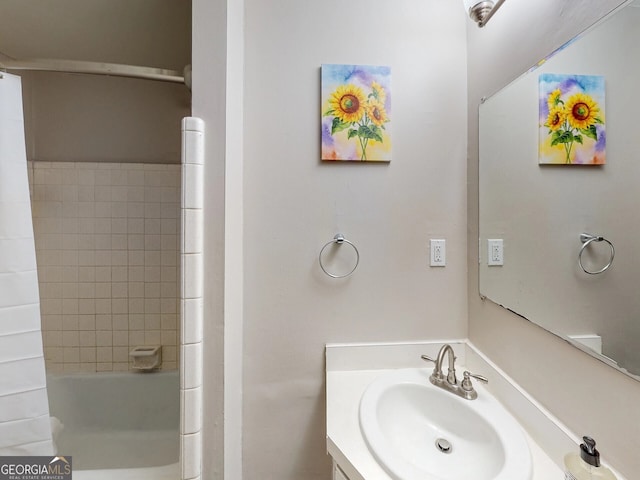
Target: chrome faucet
[[450, 383], [451, 374]]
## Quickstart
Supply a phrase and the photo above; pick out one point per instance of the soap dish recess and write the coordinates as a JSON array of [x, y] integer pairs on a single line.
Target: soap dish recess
[[146, 357]]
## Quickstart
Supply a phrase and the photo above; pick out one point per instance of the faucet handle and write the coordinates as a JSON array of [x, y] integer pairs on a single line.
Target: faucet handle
[[436, 373], [427, 358], [466, 381]]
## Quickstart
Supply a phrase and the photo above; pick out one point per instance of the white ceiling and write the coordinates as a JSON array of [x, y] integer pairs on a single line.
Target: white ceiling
[[150, 33]]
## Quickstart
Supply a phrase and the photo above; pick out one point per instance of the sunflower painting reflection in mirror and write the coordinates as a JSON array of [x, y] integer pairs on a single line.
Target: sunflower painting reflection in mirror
[[356, 112], [572, 128]]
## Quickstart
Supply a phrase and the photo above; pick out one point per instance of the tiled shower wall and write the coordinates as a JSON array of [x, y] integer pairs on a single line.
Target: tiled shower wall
[[107, 247]]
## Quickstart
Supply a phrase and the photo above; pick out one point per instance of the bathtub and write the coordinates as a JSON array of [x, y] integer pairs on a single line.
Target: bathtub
[[117, 425]]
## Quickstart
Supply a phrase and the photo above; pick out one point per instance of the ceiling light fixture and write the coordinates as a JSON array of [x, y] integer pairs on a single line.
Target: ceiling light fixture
[[481, 11]]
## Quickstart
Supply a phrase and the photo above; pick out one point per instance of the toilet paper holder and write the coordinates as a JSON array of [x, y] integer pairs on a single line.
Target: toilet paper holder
[[146, 357]]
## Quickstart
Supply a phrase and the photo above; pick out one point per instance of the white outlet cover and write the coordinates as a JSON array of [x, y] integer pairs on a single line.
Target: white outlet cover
[[495, 252], [437, 255]]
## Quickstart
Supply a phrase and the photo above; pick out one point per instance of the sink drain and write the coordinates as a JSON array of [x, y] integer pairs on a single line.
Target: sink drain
[[443, 445]]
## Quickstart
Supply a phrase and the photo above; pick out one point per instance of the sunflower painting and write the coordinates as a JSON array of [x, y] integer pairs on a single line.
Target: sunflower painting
[[356, 110], [571, 123]]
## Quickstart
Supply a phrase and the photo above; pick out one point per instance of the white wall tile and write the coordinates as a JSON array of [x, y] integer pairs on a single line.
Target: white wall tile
[[107, 243], [191, 366], [120, 354], [169, 321], [192, 275], [103, 193], [52, 322], [117, 210], [191, 455], [192, 413], [136, 322], [71, 354], [104, 354], [152, 258], [152, 305], [87, 339], [152, 322], [121, 339], [153, 210], [104, 339], [193, 223], [87, 322], [70, 339], [192, 313], [152, 337], [88, 354]]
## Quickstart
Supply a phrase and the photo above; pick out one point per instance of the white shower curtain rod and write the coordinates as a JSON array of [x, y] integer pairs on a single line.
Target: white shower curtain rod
[[94, 68]]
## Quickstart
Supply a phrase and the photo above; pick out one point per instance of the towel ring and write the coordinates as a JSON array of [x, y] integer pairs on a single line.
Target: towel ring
[[586, 239], [339, 240]]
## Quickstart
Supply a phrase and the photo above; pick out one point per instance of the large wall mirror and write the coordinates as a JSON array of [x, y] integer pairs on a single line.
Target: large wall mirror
[[540, 211]]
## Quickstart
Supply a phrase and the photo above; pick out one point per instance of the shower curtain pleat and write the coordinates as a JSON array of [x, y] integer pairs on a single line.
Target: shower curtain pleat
[[24, 408]]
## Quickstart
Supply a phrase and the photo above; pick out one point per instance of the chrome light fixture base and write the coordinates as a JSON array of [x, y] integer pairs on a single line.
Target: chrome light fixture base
[[480, 11]]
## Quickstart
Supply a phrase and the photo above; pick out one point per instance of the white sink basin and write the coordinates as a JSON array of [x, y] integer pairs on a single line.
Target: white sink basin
[[408, 423]]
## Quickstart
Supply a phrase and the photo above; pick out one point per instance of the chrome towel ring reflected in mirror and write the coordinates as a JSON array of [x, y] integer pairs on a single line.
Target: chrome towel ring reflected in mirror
[[339, 239], [586, 239]]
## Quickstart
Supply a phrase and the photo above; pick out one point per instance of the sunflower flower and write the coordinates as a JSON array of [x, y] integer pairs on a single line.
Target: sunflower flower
[[378, 92], [348, 103], [377, 113], [556, 118], [554, 99], [582, 111]]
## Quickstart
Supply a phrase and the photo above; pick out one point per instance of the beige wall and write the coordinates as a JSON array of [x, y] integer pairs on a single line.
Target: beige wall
[[589, 397], [293, 204], [151, 33], [89, 118]]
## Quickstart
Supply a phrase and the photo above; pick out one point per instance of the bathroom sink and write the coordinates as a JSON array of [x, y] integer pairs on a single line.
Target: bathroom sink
[[417, 431]]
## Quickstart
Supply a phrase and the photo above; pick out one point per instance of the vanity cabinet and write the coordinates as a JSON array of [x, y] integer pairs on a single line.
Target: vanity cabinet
[[338, 474]]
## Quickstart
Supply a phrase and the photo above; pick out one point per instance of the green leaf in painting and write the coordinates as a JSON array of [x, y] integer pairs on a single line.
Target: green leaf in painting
[[328, 112], [377, 135], [338, 126], [352, 133], [590, 132], [561, 136], [366, 131], [578, 138]]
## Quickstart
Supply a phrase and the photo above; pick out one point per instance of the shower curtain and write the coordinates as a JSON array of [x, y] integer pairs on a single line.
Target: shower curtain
[[25, 427]]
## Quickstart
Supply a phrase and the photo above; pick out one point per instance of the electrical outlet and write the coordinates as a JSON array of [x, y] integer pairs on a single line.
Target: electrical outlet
[[438, 253], [495, 254]]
